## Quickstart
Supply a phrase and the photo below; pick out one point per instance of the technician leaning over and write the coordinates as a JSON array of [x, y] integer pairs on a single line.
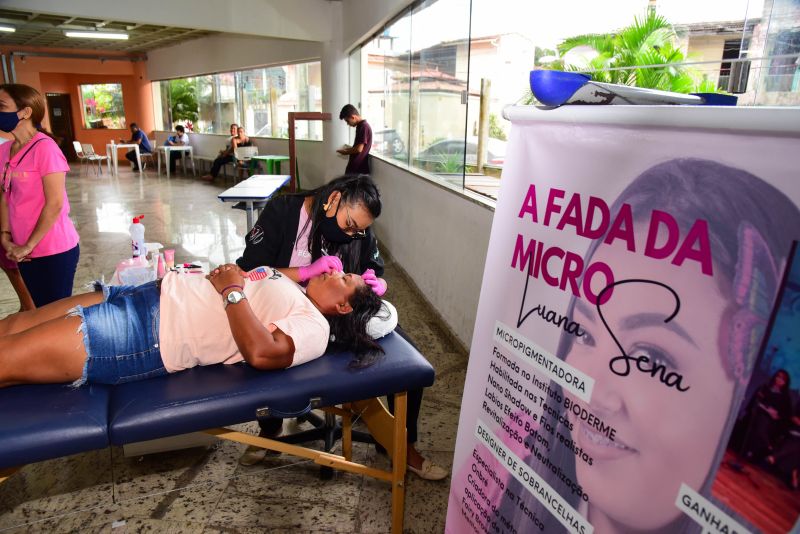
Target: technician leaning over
[[35, 229], [324, 230]]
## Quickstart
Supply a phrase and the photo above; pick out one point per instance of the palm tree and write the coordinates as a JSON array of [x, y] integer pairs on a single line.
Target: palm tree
[[650, 40]]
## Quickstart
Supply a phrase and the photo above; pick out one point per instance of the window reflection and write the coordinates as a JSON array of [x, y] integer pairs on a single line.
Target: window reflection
[[423, 75], [259, 99]]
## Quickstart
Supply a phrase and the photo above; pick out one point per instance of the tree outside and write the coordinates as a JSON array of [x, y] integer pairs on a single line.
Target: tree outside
[[624, 57], [183, 102], [102, 106]]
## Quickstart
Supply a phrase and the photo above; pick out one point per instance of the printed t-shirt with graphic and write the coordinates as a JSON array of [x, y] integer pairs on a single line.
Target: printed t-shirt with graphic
[[194, 327], [25, 195], [301, 256]]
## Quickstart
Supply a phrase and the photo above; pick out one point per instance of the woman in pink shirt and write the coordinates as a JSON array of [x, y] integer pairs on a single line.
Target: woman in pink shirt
[[35, 229]]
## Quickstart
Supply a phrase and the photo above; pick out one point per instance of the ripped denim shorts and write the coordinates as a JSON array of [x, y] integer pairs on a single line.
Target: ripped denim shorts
[[121, 335]]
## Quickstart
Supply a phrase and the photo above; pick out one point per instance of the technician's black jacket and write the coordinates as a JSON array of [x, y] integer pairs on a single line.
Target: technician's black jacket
[[271, 240]]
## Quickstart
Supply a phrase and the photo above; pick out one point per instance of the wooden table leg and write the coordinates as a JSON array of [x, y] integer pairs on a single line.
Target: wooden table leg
[[6, 473], [347, 437], [399, 462]]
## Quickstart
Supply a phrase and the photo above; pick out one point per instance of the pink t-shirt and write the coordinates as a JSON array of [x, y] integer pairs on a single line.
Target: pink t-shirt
[[25, 195], [194, 325], [301, 256]]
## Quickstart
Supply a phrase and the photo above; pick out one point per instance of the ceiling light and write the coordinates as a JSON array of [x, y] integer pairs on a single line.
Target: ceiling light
[[9, 29], [97, 35]]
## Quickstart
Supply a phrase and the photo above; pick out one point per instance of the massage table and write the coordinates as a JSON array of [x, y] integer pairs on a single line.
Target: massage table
[[40, 422]]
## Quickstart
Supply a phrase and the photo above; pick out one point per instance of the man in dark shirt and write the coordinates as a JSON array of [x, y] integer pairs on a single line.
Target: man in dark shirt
[[359, 152], [138, 137]]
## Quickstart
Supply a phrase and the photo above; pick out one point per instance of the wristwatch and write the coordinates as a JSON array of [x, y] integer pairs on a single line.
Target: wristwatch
[[234, 297]]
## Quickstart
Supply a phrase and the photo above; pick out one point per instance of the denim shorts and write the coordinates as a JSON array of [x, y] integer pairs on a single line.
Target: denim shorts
[[121, 335]]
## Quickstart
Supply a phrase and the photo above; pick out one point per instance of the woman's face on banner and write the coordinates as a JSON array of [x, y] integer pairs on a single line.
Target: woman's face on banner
[[664, 437]]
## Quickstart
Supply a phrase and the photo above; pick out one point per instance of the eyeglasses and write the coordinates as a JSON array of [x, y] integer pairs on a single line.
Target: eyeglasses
[[351, 227]]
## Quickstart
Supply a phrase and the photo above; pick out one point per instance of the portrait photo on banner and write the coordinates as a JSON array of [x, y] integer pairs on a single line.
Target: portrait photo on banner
[[658, 391]]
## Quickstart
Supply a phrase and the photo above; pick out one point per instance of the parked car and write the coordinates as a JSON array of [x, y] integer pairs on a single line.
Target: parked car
[[495, 153], [388, 142]]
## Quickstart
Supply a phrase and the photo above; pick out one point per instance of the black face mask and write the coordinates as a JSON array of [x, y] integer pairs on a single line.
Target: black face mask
[[331, 231]]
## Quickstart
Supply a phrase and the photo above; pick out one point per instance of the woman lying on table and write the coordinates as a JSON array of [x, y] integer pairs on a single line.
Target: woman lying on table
[[131, 333]]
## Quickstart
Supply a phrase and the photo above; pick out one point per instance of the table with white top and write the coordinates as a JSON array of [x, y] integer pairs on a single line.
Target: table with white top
[[166, 149], [112, 151], [257, 188]]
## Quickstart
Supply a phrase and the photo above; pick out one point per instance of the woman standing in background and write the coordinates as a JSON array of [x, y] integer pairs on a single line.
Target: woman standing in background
[[35, 229]]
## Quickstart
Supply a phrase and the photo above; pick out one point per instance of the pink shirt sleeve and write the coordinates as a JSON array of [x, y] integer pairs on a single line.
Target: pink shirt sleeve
[[49, 159], [309, 334]]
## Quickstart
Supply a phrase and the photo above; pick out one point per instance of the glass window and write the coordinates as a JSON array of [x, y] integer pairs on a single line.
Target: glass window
[[303, 92], [386, 62], [258, 99], [102, 106], [439, 94], [784, 71], [439, 91]]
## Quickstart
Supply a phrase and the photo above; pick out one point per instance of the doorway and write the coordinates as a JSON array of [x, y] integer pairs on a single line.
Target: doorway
[[60, 113]]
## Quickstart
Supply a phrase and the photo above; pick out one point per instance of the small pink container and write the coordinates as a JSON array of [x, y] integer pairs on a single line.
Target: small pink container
[[169, 257]]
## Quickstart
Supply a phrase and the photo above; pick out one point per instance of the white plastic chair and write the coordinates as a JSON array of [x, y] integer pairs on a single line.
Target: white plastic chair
[[91, 156], [148, 155], [241, 159], [79, 152]]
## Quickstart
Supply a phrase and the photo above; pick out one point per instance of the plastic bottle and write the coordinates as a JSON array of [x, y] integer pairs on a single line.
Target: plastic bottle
[[137, 237]]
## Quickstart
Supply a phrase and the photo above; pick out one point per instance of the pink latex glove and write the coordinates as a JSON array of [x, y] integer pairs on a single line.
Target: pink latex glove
[[326, 264], [378, 285]]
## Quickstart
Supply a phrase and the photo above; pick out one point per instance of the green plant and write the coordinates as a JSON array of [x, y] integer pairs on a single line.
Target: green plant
[[449, 163], [540, 53], [495, 130], [625, 57], [102, 105], [183, 100]]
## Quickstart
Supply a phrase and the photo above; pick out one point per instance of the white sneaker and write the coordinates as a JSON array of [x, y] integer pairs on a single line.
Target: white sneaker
[[429, 471]]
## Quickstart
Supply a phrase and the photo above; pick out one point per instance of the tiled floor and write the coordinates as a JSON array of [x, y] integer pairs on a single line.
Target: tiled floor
[[205, 489]]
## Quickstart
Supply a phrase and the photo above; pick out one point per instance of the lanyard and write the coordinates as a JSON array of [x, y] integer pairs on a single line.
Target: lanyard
[[6, 183]]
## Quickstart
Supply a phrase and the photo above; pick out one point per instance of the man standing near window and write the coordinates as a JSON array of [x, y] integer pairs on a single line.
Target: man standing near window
[[138, 137], [179, 139], [359, 152]]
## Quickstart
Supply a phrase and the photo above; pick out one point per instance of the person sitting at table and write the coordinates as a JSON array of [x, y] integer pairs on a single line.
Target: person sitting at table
[[138, 138], [225, 156], [127, 333], [240, 141], [179, 139]]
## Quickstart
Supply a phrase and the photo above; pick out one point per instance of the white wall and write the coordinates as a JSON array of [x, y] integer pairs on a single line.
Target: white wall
[[222, 53], [364, 17], [439, 238], [287, 19]]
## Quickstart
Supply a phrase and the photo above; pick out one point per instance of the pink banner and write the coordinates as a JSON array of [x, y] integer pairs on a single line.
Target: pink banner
[[629, 368]]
